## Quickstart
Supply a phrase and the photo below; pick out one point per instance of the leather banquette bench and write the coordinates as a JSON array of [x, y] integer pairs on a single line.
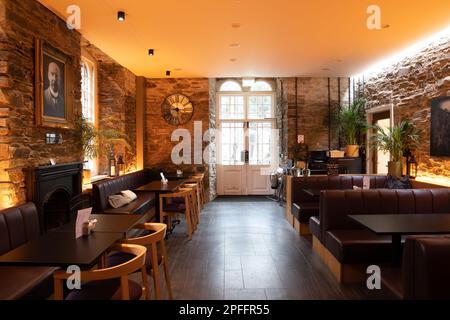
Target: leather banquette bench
[[302, 206], [144, 203], [18, 225], [347, 247]]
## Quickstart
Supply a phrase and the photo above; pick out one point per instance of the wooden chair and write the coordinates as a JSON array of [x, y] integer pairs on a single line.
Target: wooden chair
[[155, 257], [108, 283], [199, 178], [194, 205], [180, 204]]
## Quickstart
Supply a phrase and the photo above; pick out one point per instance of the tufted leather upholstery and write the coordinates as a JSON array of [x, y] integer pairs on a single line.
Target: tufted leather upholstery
[[305, 206], [103, 189], [348, 241], [19, 225]]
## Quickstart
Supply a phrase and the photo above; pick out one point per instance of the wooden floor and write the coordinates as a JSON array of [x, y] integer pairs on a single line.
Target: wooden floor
[[245, 249]]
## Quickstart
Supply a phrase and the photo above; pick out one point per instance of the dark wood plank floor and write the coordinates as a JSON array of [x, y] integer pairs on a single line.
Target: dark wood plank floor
[[247, 250]]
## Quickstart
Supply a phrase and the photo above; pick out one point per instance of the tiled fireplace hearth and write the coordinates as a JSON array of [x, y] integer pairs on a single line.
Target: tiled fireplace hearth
[[51, 188]]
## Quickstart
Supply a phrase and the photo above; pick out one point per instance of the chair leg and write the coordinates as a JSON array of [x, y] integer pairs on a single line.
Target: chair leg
[[189, 222], [155, 272], [145, 283], [167, 277]]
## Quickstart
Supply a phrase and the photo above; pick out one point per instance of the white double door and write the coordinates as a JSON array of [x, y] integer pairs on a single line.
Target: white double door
[[247, 151]]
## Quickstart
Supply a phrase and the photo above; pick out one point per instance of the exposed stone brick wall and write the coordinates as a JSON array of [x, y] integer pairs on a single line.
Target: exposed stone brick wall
[[22, 143], [116, 103], [410, 85], [157, 143], [308, 109]]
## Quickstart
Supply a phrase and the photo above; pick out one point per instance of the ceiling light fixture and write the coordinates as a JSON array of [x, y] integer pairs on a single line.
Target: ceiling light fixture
[[233, 59], [151, 52], [121, 16], [235, 45], [168, 73], [236, 25]]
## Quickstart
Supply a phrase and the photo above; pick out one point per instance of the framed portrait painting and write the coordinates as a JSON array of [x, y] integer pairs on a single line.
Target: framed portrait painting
[[440, 127], [54, 74]]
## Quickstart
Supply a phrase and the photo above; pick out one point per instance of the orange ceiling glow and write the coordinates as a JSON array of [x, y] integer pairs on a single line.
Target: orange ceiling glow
[[253, 38]]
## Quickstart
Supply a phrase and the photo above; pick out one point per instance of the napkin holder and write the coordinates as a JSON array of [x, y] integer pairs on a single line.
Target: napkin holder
[[89, 226]]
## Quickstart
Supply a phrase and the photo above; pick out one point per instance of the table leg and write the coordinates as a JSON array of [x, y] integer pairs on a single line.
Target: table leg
[[396, 250], [157, 207]]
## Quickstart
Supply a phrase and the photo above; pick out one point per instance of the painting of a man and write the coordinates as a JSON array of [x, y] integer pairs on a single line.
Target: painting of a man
[[54, 91], [440, 127]]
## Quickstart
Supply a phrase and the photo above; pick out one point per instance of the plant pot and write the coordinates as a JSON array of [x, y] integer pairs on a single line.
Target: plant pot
[[395, 169], [352, 151]]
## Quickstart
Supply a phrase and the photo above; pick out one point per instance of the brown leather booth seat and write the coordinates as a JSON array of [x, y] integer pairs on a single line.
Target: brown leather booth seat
[[103, 189], [424, 272], [348, 241], [19, 225], [314, 227], [305, 206]]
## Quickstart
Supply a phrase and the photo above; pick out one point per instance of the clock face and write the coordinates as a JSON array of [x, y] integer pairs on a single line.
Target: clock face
[[177, 109]]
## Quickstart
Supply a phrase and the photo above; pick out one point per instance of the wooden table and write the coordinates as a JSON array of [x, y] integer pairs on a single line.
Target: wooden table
[[107, 223], [158, 188], [397, 225], [62, 249]]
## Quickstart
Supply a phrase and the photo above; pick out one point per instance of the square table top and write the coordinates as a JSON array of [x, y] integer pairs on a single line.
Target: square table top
[[405, 224], [120, 223], [61, 249], [159, 187]]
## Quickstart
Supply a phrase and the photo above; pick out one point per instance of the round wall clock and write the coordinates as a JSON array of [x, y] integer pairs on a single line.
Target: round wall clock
[[177, 109]]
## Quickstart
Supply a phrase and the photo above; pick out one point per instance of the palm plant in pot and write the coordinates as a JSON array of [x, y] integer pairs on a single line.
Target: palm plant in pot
[[352, 122], [397, 141]]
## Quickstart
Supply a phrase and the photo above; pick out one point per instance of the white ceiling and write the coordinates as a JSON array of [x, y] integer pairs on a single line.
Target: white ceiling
[[276, 37]]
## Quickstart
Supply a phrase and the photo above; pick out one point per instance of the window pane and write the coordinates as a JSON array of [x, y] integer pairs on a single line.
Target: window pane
[[260, 107], [232, 143], [232, 107], [260, 143], [230, 86], [261, 86]]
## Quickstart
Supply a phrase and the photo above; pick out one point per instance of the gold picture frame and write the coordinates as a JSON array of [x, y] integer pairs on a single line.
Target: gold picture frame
[[54, 87]]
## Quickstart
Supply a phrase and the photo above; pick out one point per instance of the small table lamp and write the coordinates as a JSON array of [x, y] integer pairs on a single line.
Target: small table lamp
[[121, 165]]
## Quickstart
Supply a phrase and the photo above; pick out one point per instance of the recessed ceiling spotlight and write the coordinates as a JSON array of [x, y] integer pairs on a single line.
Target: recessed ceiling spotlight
[[325, 69], [168, 73], [233, 59], [236, 25], [121, 16], [151, 52], [385, 26], [235, 45]]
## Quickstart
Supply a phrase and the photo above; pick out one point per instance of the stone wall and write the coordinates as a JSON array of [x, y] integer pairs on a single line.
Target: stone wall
[[157, 142], [116, 104], [409, 86], [22, 143], [308, 111]]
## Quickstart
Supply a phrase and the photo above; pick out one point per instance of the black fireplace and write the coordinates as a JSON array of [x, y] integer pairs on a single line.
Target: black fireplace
[[51, 188]]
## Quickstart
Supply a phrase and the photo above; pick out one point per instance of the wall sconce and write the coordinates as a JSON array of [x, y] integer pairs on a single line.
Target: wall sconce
[[120, 165]]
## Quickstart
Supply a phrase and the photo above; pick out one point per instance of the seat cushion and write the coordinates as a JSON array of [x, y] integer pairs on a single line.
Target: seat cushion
[[314, 227], [104, 290], [122, 257], [358, 246], [144, 203], [303, 211]]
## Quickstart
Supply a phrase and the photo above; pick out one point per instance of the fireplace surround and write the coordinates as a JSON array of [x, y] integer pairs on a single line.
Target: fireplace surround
[[51, 188]]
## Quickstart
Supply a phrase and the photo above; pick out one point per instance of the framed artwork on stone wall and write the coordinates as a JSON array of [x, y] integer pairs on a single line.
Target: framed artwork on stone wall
[[53, 87], [440, 126]]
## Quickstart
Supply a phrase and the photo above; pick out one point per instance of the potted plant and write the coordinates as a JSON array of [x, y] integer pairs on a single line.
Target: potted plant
[[90, 139], [352, 122], [397, 141]]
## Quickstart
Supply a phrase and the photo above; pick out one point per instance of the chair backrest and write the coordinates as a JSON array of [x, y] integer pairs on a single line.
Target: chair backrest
[[336, 205], [18, 225], [120, 271], [79, 202]]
